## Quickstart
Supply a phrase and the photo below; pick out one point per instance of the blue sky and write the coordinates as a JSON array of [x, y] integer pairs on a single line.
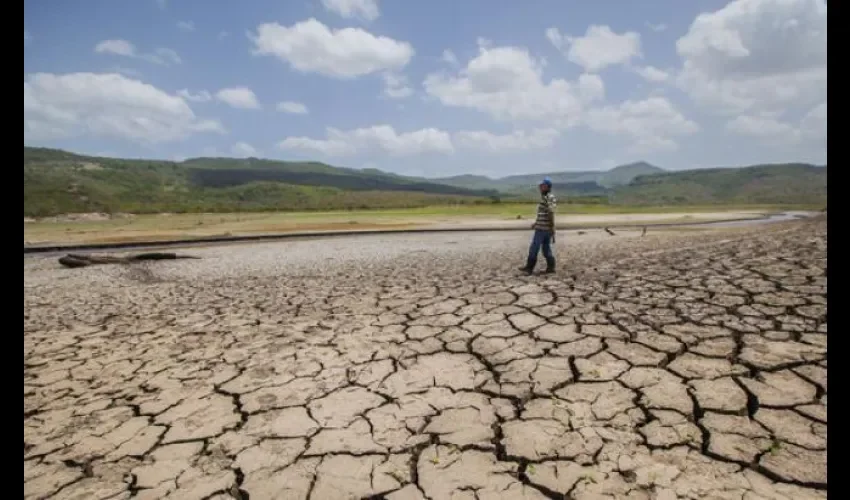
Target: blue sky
[[493, 87]]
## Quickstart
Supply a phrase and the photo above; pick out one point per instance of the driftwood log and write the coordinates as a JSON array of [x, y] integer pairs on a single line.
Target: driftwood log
[[610, 233], [80, 260]]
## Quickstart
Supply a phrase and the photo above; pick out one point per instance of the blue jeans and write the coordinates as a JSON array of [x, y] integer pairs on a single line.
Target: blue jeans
[[542, 240]]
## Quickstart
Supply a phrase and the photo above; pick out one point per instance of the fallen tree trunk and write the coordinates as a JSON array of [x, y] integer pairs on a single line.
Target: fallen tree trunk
[[81, 260]]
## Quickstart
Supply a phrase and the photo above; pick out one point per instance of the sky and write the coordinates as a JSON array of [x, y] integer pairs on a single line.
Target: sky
[[431, 88]]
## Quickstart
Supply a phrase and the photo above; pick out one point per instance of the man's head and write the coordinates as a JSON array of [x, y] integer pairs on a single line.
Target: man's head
[[545, 185]]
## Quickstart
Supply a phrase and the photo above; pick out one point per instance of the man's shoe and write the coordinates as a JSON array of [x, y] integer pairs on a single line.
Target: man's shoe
[[526, 270], [549, 270]]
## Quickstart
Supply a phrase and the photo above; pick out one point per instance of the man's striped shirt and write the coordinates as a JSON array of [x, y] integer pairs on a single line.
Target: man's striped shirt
[[546, 212]]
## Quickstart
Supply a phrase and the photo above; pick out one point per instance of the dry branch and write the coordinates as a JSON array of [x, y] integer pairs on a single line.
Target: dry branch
[[81, 260]]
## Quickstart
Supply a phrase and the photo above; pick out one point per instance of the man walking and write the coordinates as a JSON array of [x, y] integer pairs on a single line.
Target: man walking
[[544, 230]]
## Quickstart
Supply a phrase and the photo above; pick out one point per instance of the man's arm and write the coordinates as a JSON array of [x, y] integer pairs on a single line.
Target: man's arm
[[551, 203]]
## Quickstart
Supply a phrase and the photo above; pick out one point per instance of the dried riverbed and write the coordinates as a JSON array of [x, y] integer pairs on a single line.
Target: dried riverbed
[[675, 365]]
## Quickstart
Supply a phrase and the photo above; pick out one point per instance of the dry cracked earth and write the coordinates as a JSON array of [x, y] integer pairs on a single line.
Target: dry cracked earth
[[677, 365]]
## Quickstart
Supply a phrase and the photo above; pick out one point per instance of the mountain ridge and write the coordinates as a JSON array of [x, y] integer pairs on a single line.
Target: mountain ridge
[[616, 176], [58, 181]]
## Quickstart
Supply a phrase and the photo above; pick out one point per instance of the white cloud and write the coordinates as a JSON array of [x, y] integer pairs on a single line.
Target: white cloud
[[556, 38], [598, 48], [238, 97], [396, 87], [767, 127], [813, 124], [222, 35], [244, 150], [658, 28], [124, 48], [200, 96], [292, 107], [379, 139], [652, 74], [507, 83], [449, 57], [515, 141], [117, 47], [106, 105], [651, 123], [27, 37], [162, 3], [164, 56], [186, 26], [362, 9], [311, 47], [753, 56]]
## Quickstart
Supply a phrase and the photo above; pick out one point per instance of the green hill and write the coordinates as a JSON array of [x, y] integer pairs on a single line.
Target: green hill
[[644, 184], [470, 181], [577, 183], [57, 182], [793, 183], [624, 174]]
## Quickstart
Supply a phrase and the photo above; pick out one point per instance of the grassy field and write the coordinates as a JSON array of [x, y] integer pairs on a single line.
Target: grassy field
[[157, 227]]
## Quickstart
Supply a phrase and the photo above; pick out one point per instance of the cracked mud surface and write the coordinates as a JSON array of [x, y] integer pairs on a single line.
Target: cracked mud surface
[[679, 365]]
